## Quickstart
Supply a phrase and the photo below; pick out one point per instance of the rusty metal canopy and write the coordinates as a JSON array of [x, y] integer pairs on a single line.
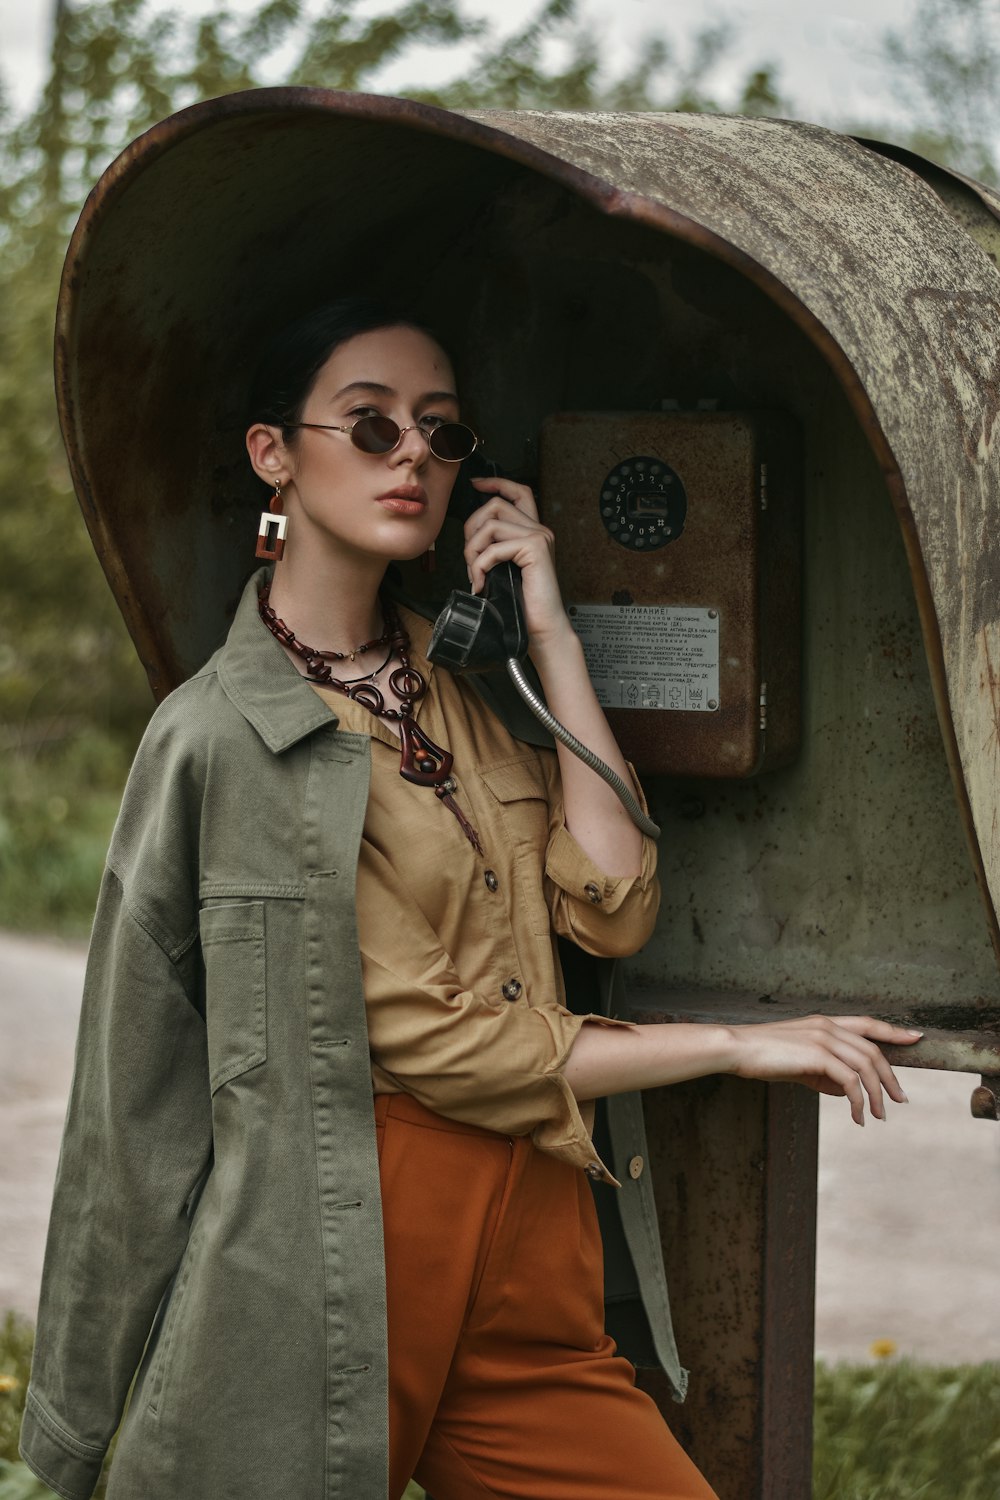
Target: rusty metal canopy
[[232, 216]]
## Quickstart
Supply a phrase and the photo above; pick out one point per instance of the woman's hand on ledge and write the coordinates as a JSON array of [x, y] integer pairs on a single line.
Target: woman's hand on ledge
[[831, 1054]]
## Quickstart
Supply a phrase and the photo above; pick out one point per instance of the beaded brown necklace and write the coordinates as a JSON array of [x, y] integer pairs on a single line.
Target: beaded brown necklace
[[421, 761]]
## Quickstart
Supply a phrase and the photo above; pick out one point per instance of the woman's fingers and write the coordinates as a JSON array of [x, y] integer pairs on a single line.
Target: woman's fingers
[[841, 1049], [870, 1031], [869, 1062], [509, 490], [881, 1031], [498, 525], [865, 1061], [849, 1081], [497, 538]]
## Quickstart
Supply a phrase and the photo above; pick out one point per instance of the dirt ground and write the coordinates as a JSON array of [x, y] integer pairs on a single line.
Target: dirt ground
[[909, 1210]]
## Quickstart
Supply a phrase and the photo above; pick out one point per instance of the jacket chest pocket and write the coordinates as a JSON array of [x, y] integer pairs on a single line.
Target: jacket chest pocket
[[524, 816], [232, 943]]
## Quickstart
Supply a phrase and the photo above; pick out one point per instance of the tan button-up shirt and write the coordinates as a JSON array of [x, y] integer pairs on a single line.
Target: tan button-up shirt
[[463, 986]]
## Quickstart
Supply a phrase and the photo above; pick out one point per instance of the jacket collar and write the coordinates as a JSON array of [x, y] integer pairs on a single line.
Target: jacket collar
[[262, 683]]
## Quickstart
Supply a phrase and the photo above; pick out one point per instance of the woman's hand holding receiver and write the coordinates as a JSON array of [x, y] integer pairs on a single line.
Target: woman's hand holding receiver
[[832, 1054], [506, 528]]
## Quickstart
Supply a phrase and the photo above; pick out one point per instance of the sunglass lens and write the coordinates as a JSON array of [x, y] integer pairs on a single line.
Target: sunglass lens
[[453, 441], [375, 434]]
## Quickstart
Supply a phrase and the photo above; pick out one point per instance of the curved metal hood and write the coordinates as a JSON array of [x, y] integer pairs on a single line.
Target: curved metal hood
[[232, 215]]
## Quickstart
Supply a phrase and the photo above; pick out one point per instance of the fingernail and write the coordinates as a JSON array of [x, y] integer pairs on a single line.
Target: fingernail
[[911, 1032], [905, 1099]]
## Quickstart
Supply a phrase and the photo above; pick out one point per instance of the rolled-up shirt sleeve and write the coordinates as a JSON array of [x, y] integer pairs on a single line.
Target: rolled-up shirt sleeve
[[471, 1058], [608, 915]]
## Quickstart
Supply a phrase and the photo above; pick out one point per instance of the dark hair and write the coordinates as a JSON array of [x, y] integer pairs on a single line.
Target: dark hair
[[293, 357]]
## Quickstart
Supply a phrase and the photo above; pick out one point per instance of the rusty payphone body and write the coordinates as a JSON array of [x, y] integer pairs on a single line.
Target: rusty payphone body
[[794, 619]]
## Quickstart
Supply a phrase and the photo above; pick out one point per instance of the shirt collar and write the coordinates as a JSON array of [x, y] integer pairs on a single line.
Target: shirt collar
[[263, 684], [260, 680]]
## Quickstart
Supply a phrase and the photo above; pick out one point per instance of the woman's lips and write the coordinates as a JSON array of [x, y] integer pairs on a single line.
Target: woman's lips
[[407, 500]]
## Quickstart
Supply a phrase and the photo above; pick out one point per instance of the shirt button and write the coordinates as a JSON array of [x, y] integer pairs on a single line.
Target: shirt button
[[635, 1166], [491, 880], [511, 989], [593, 1171], [592, 891]]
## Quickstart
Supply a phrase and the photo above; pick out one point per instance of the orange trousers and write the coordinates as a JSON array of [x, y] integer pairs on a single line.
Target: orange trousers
[[503, 1384]]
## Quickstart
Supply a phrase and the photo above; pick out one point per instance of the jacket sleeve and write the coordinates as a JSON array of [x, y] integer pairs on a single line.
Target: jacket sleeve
[[136, 1140]]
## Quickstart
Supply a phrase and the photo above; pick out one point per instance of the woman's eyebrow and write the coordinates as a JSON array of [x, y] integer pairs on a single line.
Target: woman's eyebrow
[[387, 390]]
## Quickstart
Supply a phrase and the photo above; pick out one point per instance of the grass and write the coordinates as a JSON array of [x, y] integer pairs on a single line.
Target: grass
[[903, 1431], [890, 1431], [58, 805]]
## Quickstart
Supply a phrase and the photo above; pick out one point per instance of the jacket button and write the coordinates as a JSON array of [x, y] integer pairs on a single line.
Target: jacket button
[[593, 893], [511, 989], [593, 1171], [635, 1166], [491, 880]]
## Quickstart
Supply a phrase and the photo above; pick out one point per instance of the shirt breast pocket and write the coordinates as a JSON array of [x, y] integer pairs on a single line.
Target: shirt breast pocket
[[518, 787], [234, 952]]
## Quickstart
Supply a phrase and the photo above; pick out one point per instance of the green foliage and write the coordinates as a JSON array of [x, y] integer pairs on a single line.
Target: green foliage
[[117, 67], [16, 1339], [892, 1431], [58, 803], [943, 69], [899, 1431]]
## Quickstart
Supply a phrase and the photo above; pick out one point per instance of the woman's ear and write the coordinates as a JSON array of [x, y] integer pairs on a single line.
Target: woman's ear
[[268, 454]]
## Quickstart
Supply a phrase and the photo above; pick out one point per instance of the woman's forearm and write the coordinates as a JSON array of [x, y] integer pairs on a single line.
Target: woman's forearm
[[594, 815], [832, 1054], [605, 1060]]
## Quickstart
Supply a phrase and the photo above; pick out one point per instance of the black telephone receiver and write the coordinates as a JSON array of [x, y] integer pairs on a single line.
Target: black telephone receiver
[[480, 632]]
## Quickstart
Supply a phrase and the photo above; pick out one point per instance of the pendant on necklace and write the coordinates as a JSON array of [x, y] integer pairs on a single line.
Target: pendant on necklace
[[420, 759], [427, 764]]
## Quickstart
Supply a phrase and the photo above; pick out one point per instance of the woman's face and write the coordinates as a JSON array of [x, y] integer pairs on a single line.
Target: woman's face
[[389, 505]]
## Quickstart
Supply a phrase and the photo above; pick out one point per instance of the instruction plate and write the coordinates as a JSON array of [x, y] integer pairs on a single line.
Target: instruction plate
[[651, 655]]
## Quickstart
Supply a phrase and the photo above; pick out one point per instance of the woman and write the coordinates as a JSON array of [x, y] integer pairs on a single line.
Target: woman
[[325, 1079]]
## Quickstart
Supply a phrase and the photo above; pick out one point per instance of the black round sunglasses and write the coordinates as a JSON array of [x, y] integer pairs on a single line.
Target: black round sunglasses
[[452, 441]]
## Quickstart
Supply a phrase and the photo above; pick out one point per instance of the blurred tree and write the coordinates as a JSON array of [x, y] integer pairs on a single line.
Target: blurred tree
[[944, 70], [118, 66]]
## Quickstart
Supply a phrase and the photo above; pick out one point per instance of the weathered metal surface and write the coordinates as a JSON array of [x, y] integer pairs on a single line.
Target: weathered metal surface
[[955, 1040], [734, 1167], [974, 205], [738, 553], [872, 266], [174, 270], [586, 262], [845, 875], [985, 1101]]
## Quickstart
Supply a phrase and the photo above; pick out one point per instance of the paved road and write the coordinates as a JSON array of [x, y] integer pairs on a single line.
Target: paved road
[[909, 1210]]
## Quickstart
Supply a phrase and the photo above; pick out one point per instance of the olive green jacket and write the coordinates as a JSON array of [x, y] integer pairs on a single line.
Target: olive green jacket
[[215, 1241]]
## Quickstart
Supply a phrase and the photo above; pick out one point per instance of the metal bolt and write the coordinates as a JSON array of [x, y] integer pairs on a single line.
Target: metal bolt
[[985, 1101]]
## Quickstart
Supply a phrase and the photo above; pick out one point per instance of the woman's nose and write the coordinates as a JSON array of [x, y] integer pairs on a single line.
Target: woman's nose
[[413, 445]]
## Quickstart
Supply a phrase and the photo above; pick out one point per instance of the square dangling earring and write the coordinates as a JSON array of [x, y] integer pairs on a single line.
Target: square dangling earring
[[272, 517]]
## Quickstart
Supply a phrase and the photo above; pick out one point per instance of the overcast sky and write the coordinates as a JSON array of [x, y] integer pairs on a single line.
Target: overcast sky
[[827, 55]]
